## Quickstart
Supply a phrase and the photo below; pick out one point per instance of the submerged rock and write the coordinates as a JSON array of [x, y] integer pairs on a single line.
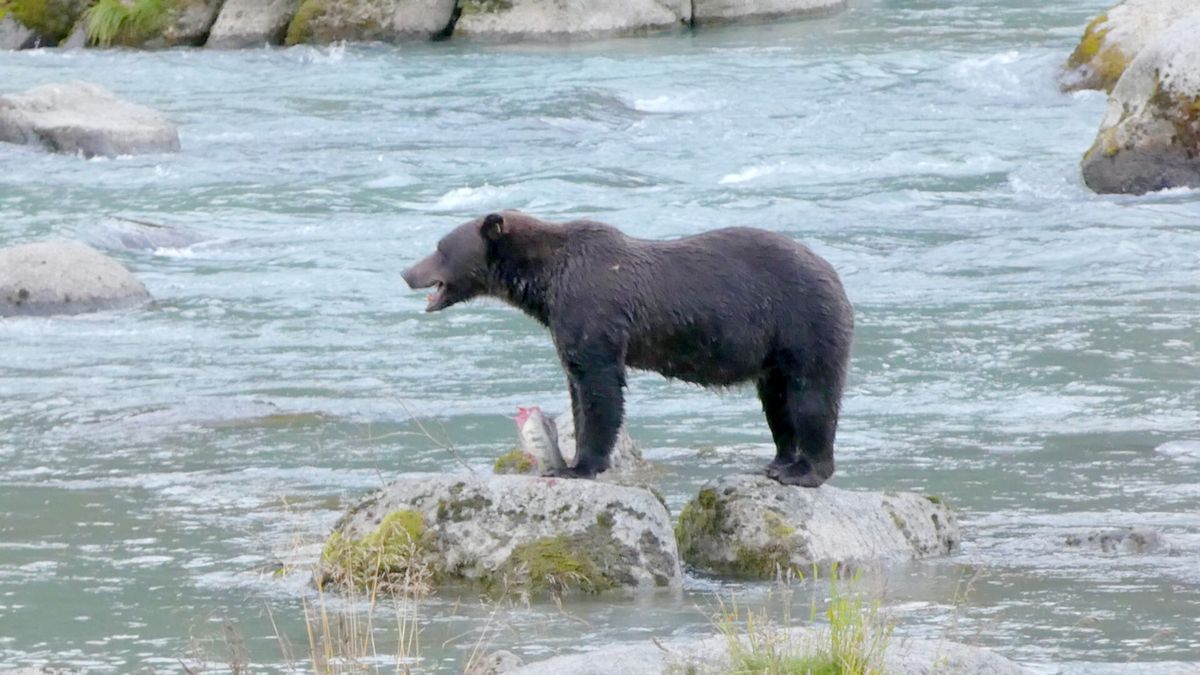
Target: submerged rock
[[64, 278], [714, 11], [1150, 137], [753, 527], [1119, 540], [711, 656], [325, 21], [511, 20], [86, 119], [506, 533], [252, 23], [1114, 38]]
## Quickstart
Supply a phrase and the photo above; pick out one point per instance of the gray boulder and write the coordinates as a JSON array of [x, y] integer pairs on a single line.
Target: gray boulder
[[1112, 39], [325, 21], [753, 527], [1150, 136], [711, 656], [86, 119], [716, 11], [252, 23], [510, 20], [513, 533], [188, 24], [13, 35], [64, 278]]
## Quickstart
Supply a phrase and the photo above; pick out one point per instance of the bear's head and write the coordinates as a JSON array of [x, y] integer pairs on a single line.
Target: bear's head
[[458, 269]]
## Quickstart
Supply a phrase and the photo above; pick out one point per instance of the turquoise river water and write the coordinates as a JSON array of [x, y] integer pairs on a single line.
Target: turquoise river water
[[1025, 349]]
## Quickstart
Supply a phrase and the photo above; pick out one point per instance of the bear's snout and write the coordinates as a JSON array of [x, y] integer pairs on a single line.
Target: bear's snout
[[420, 275]]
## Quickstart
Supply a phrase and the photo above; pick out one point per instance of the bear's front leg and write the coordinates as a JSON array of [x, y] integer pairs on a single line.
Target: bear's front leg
[[599, 405]]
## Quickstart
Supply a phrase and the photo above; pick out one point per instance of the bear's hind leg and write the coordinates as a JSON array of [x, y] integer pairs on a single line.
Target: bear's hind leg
[[772, 391], [814, 417]]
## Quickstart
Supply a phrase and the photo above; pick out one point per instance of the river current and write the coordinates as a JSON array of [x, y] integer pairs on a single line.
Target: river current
[[1025, 349]]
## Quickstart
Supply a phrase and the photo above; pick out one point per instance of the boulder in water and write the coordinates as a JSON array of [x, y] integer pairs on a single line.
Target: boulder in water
[[1150, 136], [512, 20], [252, 23], [716, 11], [506, 533], [86, 119], [1112, 39], [326, 21], [754, 527], [64, 278]]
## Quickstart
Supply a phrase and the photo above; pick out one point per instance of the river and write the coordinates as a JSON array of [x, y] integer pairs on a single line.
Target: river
[[1025, 349]]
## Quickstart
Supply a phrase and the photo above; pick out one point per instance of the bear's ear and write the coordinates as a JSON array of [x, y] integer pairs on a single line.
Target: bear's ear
[[492, 227]]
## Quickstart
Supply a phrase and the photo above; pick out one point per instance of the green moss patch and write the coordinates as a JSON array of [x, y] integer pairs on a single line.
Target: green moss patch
[[51, 19], [515, 461], [299, 30], [1105, 59], [559, 564], [388, 558]]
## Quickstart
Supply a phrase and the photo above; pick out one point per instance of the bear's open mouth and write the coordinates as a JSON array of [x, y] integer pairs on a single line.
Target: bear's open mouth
[[435, 298]]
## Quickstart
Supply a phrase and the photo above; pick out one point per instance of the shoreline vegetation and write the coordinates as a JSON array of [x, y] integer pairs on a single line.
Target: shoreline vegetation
[[224, 24]]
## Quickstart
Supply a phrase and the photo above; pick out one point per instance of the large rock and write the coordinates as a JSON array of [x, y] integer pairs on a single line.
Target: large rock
[[513, 533], [324, 21], [711, 656], [86, 119], [716, 11], [15, 35], [753, 527], [505, 20], [1115, 37], [1150, 136], [64, 278], [252, 23], [187, 23]]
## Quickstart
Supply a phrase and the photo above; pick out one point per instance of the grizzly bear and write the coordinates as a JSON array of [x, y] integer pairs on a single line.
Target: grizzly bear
[[717, 309]]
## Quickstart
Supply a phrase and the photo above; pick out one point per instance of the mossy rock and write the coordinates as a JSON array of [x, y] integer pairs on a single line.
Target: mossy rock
[[390, 558], [515, 461], [52, 20], [328, 21], [752, 527], [506, 534], [1114, 38]]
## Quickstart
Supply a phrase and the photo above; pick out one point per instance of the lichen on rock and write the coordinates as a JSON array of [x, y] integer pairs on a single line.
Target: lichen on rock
[[1112, 39], [753, 527], [51, 20]]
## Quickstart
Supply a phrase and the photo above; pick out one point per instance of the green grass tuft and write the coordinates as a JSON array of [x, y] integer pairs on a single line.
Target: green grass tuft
[[116, 22]]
